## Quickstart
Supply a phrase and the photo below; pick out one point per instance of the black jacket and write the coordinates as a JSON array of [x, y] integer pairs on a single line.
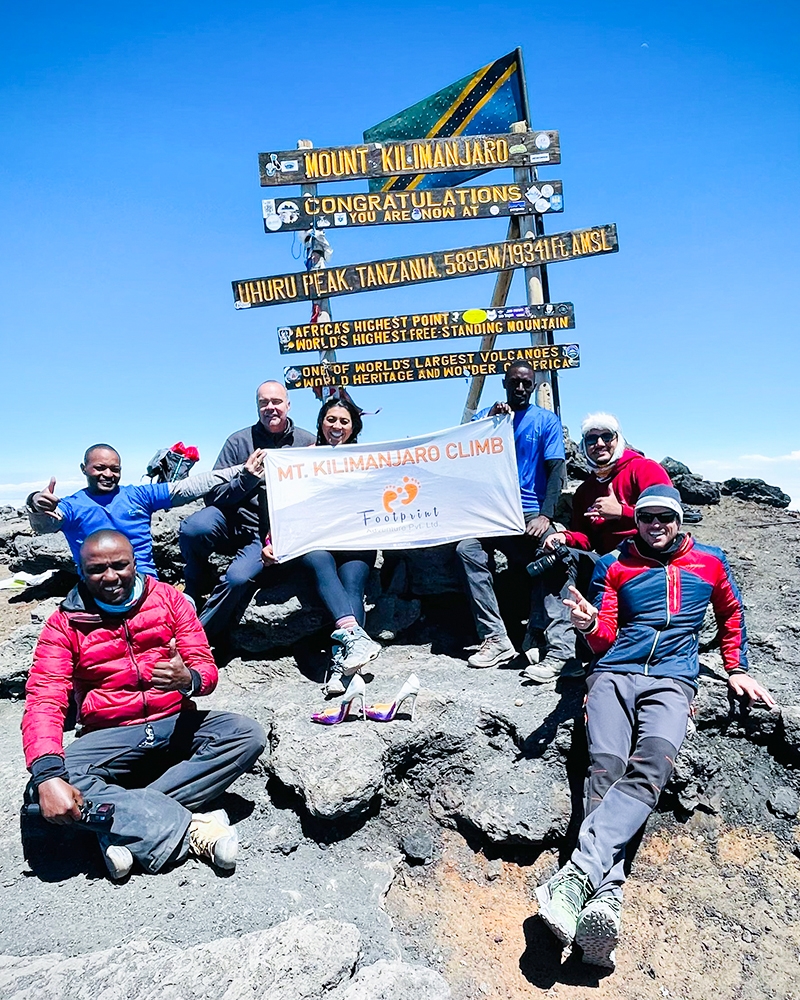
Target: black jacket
[[244, 500]]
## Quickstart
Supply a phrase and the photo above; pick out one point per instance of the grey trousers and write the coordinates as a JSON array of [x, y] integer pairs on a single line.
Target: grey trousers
[[548, 591], [185, 761], [635, 725]]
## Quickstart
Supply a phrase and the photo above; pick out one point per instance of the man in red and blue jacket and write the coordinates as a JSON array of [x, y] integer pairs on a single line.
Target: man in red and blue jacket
[[642, 620]]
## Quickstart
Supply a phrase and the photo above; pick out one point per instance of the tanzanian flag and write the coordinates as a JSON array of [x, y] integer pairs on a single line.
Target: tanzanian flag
[[484, 103]]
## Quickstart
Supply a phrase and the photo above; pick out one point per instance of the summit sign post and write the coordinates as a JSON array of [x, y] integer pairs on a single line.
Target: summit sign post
[[425, 164], [438, 266], [376, 159]]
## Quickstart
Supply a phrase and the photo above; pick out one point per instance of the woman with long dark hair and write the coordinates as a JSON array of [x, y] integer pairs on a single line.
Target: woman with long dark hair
[[341, 577]]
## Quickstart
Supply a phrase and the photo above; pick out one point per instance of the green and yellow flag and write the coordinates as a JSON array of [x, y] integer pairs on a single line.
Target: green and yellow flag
[[486, 102]]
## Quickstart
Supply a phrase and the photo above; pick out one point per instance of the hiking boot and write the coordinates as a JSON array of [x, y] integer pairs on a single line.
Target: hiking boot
[[494, 650], [118, 859], [562, 899], [211, 836], [359, 649], [598, 930], [551, 670]]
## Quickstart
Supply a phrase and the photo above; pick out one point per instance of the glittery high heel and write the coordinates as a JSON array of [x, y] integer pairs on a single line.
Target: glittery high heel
[[338, 713], [385, 713]]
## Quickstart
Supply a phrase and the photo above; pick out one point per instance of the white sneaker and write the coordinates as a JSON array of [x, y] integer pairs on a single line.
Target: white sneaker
[[494, 650], [118, 859], [359, 649]]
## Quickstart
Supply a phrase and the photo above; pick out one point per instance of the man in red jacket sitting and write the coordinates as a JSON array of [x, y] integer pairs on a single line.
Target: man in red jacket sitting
[[133, 653], [602, 508]]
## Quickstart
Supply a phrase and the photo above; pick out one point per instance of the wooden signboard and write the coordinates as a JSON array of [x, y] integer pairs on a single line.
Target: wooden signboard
[[486, 201], [418, 328], [388, 371], [395, 273], [418, 156]]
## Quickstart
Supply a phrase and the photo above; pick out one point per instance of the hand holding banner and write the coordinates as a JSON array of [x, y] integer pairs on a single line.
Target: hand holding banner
[[421, 491]]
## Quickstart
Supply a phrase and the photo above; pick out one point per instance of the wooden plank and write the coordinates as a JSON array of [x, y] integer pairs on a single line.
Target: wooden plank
[[419, 156], [412, 329], [389, 371], [440, 265], [485, 201]]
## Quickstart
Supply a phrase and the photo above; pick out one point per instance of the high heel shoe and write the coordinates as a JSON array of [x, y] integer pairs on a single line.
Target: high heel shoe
[[385, 713], [338, 713]]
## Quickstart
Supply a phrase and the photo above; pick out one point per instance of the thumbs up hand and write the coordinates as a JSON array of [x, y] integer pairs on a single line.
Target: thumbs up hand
[[172, 674], [607, 508], [46, 501]]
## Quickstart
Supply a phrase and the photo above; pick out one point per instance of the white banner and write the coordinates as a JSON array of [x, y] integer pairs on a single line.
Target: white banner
[[441, 487]]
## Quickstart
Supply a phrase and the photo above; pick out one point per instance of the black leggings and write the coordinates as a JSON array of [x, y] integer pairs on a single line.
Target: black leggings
[[341, 578]]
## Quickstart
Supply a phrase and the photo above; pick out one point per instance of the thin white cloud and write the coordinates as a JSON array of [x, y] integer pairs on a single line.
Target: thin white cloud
[[15, 494]]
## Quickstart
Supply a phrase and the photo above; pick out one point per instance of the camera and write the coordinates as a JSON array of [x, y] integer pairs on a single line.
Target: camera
[[541, 565], [101, 815]]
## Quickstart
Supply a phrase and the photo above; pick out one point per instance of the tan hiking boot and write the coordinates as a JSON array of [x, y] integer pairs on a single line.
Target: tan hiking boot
[[212, 837]]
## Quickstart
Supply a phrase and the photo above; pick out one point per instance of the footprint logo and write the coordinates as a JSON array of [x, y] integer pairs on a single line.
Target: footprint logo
[[406, 493]]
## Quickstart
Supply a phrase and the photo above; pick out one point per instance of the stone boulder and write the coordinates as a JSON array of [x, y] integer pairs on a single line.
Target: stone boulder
[[337, 770], [696, 490], [16, 653], [675, 468], [279, 615], [396, 981], [296, 960], [36, 553], [756, 491]]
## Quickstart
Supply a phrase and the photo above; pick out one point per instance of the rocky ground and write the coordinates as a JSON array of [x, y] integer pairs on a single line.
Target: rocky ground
[[399, 860]]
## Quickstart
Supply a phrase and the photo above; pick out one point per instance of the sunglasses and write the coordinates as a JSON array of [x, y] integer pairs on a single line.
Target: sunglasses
[[665, 517], [606, 437]]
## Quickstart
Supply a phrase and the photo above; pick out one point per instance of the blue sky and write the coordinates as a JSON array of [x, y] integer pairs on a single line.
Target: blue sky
[[130, 199]]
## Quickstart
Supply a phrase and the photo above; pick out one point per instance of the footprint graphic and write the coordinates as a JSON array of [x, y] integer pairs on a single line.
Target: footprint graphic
[[390, 494], [411, 487]]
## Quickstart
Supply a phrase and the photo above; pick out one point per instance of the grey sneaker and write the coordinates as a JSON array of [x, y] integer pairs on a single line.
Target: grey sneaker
[[562, 899], [118, 859], [494, 650], [359, 649], [598, 930], [551, 670], [334, 686]]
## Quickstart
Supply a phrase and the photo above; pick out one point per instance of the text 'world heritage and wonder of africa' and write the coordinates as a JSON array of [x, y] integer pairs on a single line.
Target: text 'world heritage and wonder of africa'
[[387, 371]]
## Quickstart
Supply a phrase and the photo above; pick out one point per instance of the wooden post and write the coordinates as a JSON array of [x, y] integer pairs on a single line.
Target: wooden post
[[310, 190], [537, 285], [499, 298]]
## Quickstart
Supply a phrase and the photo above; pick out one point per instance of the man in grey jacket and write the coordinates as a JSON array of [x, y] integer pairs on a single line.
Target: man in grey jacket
[[236, 518]]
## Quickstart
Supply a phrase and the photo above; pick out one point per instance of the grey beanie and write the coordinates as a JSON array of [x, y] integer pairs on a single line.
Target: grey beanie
[[660, 495]]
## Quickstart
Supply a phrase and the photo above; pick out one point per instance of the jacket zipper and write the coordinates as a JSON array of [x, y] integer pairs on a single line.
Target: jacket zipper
[[658, 634], [129, 640]]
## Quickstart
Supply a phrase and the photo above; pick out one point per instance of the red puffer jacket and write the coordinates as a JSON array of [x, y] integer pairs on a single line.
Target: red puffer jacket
[[108, 663]]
